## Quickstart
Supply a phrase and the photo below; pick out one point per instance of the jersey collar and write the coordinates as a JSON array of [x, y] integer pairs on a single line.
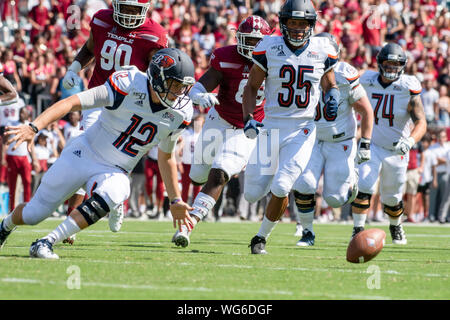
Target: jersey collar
[[384, 85], [156, 107], [298, 51]]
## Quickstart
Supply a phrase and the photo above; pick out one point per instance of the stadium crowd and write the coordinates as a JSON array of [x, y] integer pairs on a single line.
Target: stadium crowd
[[39, 39]]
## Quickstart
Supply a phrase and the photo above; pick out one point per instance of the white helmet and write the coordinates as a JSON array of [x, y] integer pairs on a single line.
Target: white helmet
[[130, 21]]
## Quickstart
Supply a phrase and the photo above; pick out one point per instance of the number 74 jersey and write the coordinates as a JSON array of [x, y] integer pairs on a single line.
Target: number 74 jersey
[[390, 107]]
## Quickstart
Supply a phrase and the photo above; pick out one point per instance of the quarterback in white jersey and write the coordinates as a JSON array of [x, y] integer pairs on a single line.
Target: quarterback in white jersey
[[140, 111], [396, 106], [293, 66], [335, 149]]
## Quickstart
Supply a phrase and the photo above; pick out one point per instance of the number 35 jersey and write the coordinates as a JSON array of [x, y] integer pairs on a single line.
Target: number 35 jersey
[[115, 46], [131, 124], [293, 79], [390, 107]]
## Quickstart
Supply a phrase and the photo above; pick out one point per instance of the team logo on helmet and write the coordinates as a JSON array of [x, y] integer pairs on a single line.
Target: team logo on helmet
[[164, 61]]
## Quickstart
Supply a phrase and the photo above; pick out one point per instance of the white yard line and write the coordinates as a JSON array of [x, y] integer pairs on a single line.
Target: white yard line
[[197, 289]]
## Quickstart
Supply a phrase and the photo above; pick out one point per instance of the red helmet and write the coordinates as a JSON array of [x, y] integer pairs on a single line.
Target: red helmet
[[128, 20], [251, 27]]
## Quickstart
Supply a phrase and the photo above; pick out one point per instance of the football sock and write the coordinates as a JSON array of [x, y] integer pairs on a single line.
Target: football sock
[[8, 225], [266, 228], [67, 228], [306, 219], [395, 221], [359, 220], [203, 203]]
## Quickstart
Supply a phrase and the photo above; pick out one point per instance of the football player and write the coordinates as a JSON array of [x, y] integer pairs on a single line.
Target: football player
[[293, 66], [335, 149], [230, 149], [119, 36], [140, 111], [396, 105]]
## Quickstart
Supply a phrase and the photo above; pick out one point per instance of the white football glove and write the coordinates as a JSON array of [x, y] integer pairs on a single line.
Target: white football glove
[[70, 80], [251, 129], [205, 100], [363, 154], [404, 145]]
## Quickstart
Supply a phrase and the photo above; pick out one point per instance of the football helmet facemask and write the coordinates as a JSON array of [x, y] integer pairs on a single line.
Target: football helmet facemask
[[250, 31], [171, 74], [128, 20]]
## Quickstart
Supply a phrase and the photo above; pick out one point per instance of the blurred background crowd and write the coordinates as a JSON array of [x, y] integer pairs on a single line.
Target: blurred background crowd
[[38, 41]]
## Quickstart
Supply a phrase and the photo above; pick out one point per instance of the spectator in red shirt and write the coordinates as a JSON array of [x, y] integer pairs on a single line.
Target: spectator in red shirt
[[39, 17], [413, 174]]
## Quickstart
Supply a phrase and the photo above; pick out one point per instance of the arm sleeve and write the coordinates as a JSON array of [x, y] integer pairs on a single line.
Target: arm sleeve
[[414, 86], [100, 96], [168, 144], [356, 93]]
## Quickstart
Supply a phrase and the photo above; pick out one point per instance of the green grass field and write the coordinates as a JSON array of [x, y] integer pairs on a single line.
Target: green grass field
[[140, 262]]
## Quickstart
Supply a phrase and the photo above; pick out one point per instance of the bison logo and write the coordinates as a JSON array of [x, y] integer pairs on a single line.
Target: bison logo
[[164, 61]]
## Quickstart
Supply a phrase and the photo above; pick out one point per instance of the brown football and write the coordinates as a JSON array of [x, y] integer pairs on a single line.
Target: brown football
[[365, 245]]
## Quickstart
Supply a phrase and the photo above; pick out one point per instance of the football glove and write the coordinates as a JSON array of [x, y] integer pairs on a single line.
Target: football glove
[[332, 103], [363, 154], [205, 100], [251, 129], [404, 145], [70, 80]]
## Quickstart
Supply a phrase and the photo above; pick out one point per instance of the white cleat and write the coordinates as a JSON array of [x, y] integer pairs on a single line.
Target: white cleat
[[116, 218], [181, 239], [42, 249], [299, 230]]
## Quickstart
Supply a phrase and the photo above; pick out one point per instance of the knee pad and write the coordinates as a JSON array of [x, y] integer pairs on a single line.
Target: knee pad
[[93, 209], [304, 202], [394, 211], [362, 200]]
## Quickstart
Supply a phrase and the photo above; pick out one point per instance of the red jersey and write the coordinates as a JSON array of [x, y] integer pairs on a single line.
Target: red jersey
[[235, 70], [115, 46]]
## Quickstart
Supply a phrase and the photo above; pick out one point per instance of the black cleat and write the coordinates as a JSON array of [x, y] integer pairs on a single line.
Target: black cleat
[[258, 245], [307, 239], [357, 230], [4, 234], [397, 234]]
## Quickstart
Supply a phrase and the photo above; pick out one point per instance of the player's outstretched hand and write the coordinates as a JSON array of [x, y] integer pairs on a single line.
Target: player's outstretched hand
[[205, 100], [70, 80], [180, 215], [23, 133], [251, 129], [404, 145]]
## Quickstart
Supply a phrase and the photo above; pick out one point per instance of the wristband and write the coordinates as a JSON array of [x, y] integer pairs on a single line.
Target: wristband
[[35, 129], [176, 200]]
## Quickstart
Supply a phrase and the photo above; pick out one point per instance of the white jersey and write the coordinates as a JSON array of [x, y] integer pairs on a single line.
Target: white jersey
[[292, 81], [343, 126], [391, 118], [21, 150], [10, 112], [131, 124]]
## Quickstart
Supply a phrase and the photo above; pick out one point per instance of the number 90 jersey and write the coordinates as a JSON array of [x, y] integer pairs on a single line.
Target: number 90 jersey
[[293, 79], [390, 107], [131, 124], [115, 46]]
